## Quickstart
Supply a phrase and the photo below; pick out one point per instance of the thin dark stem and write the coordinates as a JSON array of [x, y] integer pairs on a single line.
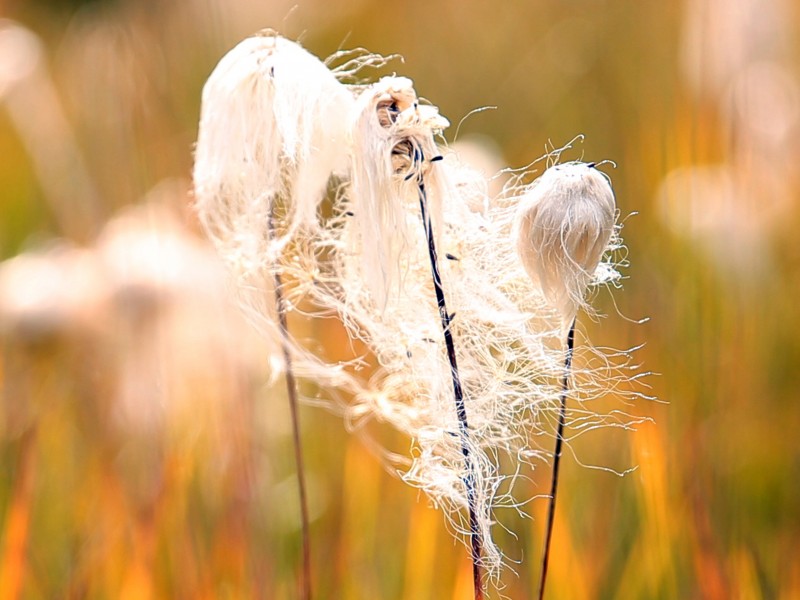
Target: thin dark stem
[[461, 411], [291, 391], [551, 511]]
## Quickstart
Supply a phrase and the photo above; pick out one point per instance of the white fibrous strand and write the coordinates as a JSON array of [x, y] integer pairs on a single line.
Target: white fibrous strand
[[389, 126], [563, 227]]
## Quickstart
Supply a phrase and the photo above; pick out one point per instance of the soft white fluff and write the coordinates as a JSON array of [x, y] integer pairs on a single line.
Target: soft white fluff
[[506, 338], [272, 131], [388, 126], [564, 225]]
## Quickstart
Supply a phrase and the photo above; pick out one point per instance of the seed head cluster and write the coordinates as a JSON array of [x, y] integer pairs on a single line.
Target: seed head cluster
[[281, 133]]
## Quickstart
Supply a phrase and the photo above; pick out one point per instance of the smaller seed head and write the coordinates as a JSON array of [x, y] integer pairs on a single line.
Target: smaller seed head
[[564, 224]]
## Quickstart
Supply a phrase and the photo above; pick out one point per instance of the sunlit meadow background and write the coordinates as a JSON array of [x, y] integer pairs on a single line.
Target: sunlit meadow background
[[144, 453]]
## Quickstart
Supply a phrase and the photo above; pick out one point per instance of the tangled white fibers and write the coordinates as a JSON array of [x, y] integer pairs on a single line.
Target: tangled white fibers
[[277, 128]]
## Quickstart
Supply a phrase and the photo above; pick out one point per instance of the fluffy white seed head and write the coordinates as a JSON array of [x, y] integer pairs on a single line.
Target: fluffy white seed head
[[272, 129], [564, 224], [392, 138]]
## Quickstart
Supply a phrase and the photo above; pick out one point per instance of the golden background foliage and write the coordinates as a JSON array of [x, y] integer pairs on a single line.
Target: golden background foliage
[[143, 454]]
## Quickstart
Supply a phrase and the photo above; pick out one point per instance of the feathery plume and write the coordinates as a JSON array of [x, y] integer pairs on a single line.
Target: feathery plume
[[496, 318], [272, 129]]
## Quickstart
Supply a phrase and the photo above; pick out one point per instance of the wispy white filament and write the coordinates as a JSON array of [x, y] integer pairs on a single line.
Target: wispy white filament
[[389, 125]]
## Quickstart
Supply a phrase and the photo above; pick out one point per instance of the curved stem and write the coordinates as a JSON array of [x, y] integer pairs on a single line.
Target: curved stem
[[291, 392], [557, 458]]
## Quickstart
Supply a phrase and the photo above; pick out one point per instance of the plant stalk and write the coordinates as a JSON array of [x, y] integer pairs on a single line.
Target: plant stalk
[[475, 537], [557, 458], [291, 392]]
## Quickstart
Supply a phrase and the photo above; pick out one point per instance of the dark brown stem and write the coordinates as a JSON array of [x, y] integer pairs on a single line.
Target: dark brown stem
[[551, 511], [291, 392], [461, 411]]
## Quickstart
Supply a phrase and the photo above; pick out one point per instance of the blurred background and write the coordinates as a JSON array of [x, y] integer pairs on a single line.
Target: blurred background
[[145, 454]]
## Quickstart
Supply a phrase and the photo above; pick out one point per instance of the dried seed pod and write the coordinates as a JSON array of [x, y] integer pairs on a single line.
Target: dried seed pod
[[564, 224]]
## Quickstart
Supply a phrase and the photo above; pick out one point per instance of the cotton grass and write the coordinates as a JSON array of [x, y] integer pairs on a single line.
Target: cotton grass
[[564, 225], [510, 274]]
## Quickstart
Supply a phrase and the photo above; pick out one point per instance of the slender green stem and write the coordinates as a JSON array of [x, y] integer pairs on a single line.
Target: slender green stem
[[291, 392], [461, 411], [551, 511]]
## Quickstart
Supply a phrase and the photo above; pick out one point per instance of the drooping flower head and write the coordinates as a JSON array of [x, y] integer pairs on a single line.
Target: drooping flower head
[[392, 140], [272, 130]]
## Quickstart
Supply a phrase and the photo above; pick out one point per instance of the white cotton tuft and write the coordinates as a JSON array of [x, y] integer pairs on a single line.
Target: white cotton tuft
[[392, 140], [272, 129], [272, 134], [563, 226]]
